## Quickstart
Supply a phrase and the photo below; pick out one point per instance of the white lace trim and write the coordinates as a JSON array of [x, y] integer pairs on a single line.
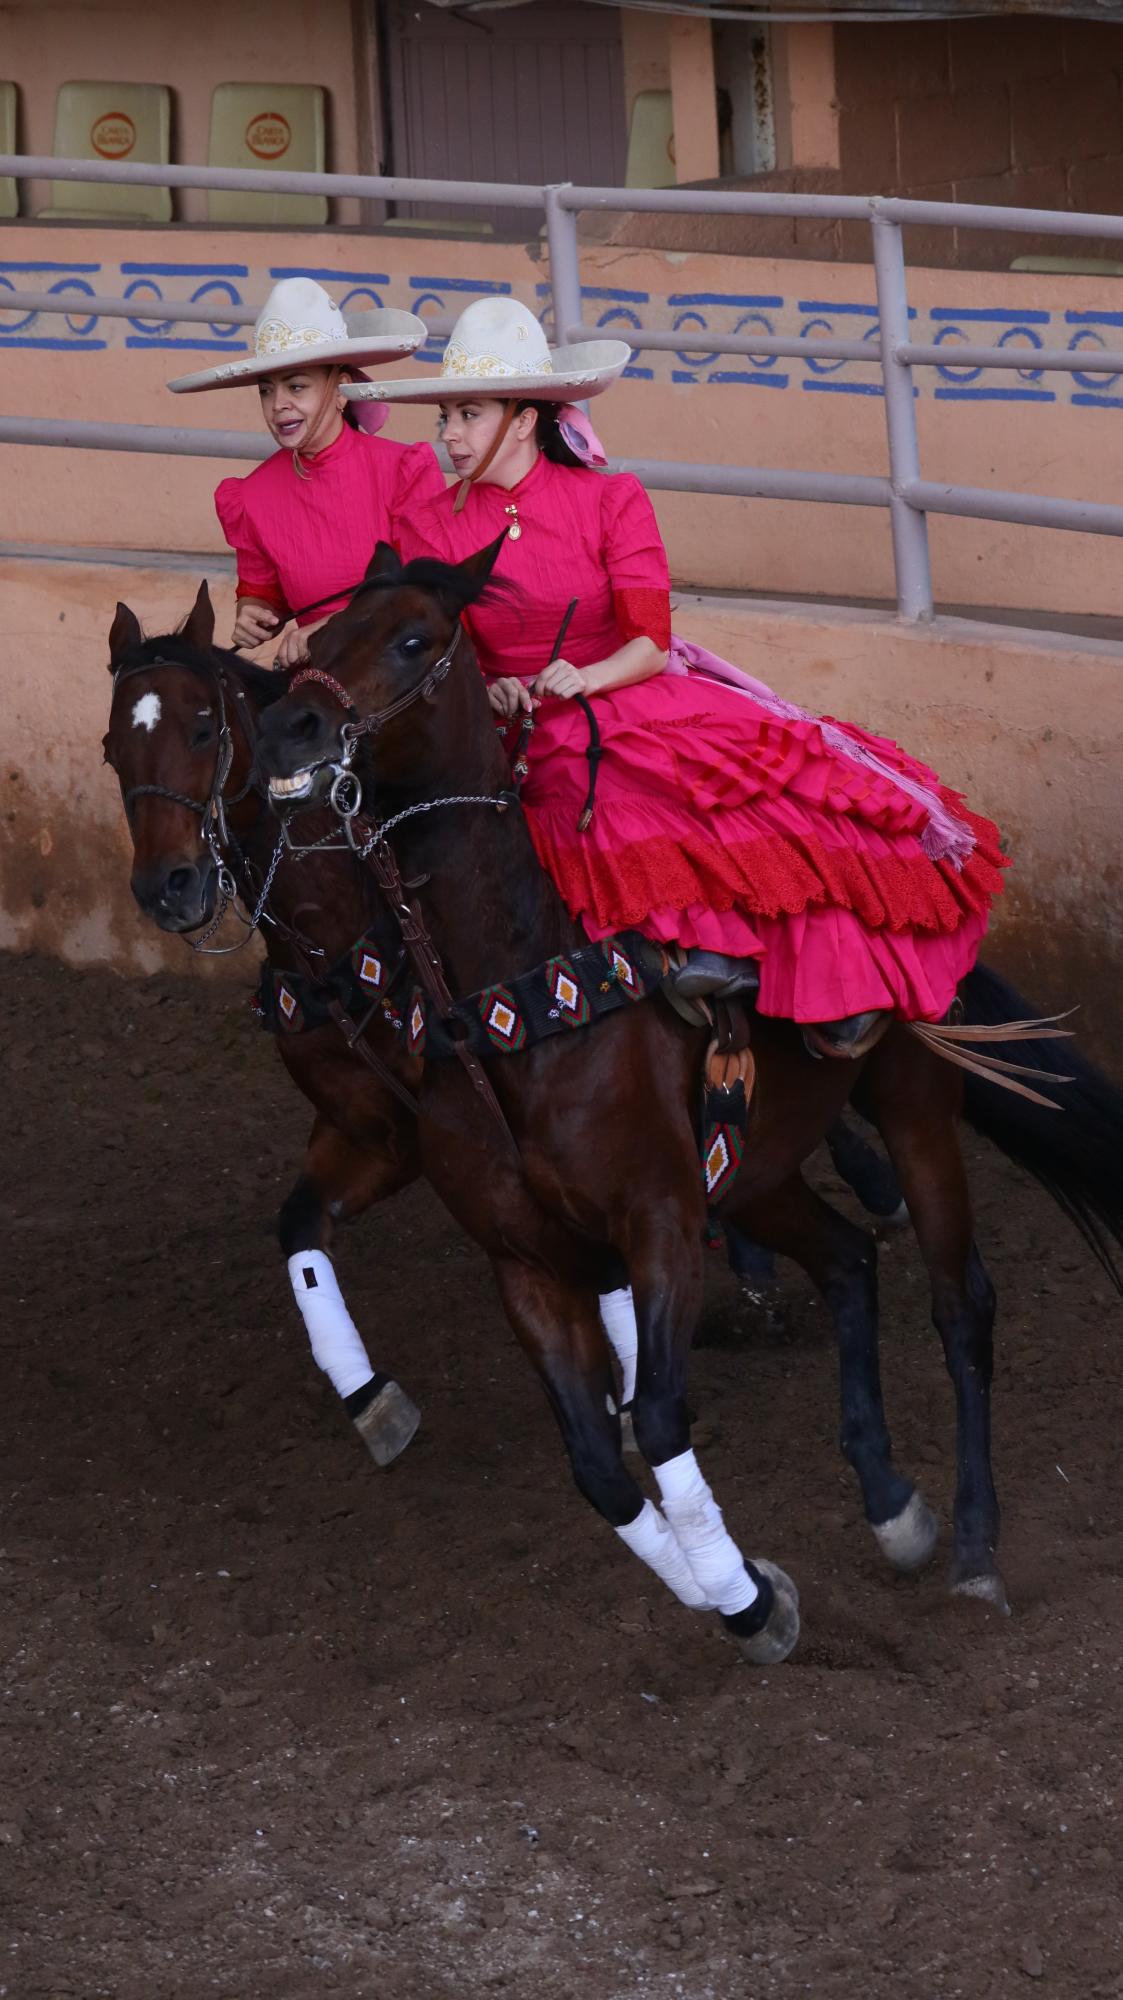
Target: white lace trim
[[276, 336]]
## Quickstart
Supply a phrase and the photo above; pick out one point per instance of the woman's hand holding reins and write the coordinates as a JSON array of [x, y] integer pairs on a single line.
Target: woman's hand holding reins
[[293, 649], [562, 679], [509, 697], [255, 623]]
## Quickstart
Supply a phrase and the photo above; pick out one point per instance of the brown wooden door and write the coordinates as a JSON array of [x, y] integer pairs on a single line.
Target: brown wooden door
[[532, 93]]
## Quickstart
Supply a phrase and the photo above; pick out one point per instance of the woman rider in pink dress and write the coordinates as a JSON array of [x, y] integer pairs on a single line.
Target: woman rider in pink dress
[[766, 843], [304, 522]]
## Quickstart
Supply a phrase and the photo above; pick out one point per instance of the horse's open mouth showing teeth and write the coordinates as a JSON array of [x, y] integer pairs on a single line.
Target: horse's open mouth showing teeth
[[296, 787]]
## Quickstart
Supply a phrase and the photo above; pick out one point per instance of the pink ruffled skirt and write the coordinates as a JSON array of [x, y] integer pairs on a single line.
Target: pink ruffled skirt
[[741, 825]]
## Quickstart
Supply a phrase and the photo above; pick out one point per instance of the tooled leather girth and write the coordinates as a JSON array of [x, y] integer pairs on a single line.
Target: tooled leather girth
[[572, 990]]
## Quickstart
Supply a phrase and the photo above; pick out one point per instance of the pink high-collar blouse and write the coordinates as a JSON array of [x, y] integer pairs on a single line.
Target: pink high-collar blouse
[[297, 539]]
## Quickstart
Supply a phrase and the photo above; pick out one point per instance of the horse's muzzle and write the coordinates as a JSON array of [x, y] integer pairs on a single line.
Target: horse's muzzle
[[177, 896], [297, 751]]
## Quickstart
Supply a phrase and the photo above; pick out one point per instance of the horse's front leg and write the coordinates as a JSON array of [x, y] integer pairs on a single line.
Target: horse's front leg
[[339, 1180], [758, 1602], [559, 1328]]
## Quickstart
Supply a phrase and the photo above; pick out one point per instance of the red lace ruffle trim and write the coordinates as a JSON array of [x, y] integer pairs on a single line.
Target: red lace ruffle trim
[[769, 876]]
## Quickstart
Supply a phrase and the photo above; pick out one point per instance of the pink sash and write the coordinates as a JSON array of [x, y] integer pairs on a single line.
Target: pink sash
[[945, 838]]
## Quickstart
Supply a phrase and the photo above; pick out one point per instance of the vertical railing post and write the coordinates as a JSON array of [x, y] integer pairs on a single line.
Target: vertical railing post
[[565, 265], [909, 524]]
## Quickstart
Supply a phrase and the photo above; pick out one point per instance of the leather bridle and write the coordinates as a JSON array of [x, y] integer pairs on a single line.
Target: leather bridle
[[358, 726]]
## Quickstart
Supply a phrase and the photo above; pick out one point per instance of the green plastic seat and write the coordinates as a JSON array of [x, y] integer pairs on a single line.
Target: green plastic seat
[[9, 190], [263, 125], [111, 121]]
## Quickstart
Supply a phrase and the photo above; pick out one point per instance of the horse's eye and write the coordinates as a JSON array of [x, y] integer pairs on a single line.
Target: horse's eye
[[203, 735], [410, 648]]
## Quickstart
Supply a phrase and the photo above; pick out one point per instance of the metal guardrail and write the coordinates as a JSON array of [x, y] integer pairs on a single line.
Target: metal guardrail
[[908, 497]]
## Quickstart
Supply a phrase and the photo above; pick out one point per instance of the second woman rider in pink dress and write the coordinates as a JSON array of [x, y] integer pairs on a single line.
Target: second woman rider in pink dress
[[304, 522]]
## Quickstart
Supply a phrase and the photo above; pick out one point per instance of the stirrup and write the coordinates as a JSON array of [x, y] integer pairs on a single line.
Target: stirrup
[[849, 1038]]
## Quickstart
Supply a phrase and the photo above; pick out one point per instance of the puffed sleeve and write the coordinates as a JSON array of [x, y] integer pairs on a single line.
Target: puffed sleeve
[[420, 481], [257, 574], [636, 561]]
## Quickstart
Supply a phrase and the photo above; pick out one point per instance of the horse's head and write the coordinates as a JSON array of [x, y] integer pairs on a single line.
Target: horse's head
[[177, 739], [385, 654]]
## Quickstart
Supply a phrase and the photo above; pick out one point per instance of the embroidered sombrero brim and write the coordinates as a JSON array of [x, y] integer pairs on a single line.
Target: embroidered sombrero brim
[[374, 340], [579, 371]]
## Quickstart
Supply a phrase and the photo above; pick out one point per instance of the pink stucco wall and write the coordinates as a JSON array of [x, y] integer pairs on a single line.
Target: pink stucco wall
[[1058, 434]]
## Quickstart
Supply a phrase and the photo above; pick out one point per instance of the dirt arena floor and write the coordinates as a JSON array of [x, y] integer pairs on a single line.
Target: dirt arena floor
[[275, 1724]]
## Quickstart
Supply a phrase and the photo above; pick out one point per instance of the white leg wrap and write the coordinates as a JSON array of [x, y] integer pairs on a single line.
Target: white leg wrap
[[650, 1538], [336, 1345], [716, 1562], [618, 1317]]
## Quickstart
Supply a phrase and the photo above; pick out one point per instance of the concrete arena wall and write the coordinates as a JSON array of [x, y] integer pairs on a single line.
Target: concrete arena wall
[[1032, 730], [995, 428]]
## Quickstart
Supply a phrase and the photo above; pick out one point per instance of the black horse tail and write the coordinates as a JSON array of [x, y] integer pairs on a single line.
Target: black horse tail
[[1075, 1152]]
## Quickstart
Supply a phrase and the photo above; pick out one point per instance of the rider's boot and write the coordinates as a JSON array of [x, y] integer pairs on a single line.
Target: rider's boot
[[849, 1038], [712, 975]]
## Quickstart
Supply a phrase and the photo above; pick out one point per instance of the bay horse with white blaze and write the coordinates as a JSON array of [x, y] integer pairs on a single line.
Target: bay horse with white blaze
[[594, 1154], [182, 729]]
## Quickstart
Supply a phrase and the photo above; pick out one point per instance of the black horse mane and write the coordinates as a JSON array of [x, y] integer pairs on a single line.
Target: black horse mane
[[266, 684], [458, 586]]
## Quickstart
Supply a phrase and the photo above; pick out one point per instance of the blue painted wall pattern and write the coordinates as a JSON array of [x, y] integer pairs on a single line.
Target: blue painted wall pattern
[[616, 310]]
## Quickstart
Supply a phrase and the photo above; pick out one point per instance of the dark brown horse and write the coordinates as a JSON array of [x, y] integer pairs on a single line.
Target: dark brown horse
[[181, 736], [595, 1161], [182, 730]]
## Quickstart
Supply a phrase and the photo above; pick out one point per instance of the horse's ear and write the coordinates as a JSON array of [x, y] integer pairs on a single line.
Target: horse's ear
[[198, 628], [384, 561], [480, 566], [124, 634]]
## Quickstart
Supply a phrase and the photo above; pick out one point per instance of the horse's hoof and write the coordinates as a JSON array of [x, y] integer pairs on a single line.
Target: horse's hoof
[[898, 1218], [388, 1423], [988, 1587], [778, 1635], [908, 1541]]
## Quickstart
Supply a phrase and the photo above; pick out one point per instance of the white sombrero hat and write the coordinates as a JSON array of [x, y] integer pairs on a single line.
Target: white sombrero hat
[[300, 325], [497, 348]]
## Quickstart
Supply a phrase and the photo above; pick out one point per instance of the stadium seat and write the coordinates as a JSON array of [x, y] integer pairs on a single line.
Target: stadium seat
[[111, 121], [261, 125], [651, 142], [9, 191]]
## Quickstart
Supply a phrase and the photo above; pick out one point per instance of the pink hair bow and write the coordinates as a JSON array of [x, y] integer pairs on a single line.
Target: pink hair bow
[[579, 435], [370, 417]]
